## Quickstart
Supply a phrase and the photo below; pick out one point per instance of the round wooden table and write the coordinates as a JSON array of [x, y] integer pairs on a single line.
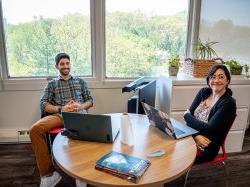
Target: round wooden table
[[78, 158]]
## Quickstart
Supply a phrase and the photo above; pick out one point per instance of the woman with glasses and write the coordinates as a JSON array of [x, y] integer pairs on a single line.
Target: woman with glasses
[[212, 113]]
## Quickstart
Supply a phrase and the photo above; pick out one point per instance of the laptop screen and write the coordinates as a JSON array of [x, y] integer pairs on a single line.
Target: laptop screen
[[159, 119], [89, 127]]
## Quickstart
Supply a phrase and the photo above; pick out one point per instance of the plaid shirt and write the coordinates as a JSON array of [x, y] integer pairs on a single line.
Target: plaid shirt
[[59, 92]]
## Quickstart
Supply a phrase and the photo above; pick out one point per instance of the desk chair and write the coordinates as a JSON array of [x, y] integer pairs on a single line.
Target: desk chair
[[51, 136], [219, 159]]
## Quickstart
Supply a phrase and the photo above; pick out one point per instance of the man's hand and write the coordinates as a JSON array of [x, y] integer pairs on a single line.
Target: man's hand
[[73, 106], [201, 141], [70, 107], [76, 106]]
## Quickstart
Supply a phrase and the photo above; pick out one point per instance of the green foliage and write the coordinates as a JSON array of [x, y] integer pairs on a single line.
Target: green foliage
[[235, 67], [204, 50], [135, 43], [174, 61], [246, 68], [139, 43], [128, 58], [32, 46], [233, 64]]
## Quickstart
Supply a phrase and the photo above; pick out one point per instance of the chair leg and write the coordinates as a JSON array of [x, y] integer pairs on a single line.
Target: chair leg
[[225, 173], [186, 177], [47, 141], [50, 147]]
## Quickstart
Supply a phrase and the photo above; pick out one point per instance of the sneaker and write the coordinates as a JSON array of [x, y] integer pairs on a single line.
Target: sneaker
[[50, 181], [80, 183]]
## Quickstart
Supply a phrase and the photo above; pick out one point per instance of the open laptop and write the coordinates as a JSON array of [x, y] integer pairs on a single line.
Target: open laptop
[[89, 127], [170, 126]]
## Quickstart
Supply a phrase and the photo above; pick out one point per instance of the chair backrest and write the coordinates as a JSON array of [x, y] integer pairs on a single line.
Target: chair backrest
[[223, 148], [220, 157]]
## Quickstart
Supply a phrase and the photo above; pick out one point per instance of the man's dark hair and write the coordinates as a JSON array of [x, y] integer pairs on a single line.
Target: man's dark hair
[[60, 56]]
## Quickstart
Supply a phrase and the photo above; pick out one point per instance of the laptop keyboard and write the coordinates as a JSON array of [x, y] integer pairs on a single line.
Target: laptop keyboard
[[178, 132]]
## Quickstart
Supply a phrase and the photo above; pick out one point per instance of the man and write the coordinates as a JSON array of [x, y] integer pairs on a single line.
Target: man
[[65, 93]]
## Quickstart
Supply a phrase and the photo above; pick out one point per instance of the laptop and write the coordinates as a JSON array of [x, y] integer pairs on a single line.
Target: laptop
[[90, 127], [170, 126]]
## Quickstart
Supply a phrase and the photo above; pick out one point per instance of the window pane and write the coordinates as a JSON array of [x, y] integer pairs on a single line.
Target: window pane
[[227, 22], [36, 30], [140, 35]]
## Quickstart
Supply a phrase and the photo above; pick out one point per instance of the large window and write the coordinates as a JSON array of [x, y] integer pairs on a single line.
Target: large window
[[36, 30], [141, 35], [227, 22], [130, 38]]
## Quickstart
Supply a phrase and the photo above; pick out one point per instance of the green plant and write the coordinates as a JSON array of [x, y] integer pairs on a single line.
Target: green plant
[[204, 50], [233, 64], [235, 67], [246, 68], [174, 61]]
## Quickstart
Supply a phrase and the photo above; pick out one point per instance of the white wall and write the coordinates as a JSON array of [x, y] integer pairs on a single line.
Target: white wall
[[20, 109]]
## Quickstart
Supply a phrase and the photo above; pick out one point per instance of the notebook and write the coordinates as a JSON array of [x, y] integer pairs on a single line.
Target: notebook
[[170, 126], [122, 165], [90, 127]]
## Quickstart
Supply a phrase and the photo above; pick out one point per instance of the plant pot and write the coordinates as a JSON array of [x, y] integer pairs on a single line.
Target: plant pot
[[173, 70], [236, 71], [202, 67]]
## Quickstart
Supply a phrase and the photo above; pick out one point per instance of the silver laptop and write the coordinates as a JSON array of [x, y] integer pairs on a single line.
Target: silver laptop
[[170, 126], [89, 127]]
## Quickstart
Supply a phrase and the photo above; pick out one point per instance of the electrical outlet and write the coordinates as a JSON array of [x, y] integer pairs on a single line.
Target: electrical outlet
[[23, 136], [21, 133]]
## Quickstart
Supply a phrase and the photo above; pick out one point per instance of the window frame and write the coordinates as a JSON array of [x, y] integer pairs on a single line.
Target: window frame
[[98, 51]]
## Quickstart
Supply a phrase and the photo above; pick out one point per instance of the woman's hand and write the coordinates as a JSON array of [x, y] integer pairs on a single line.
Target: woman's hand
[[201, 141], [187, 112]]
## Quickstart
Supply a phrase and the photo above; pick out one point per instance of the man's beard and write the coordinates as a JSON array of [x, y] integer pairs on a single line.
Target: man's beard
[[63, 73]]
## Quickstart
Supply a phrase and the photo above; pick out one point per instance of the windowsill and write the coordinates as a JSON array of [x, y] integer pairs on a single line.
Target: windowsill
[[39, 84]]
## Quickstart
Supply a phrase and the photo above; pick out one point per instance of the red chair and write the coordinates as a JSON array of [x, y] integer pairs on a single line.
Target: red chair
[[219, 159], [52, 134]]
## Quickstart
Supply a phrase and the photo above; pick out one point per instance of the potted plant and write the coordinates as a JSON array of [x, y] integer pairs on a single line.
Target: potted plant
[[246, 68], [235, 67], [174, 64], [204, 58], [204, 51]]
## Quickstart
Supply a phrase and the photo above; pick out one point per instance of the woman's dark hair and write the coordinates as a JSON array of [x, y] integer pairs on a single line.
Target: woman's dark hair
[[60, 56], [227, 73]]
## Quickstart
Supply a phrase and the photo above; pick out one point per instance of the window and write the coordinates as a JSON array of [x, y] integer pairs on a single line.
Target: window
[[141, 35], [36, 30], [228, 23], [134, 38]]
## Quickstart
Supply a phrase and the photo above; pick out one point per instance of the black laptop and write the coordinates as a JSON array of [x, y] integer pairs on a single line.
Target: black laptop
[[89, 127], [170, 126]]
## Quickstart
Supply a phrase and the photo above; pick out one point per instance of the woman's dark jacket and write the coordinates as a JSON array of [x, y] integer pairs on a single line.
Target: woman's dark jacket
[[220, 120]]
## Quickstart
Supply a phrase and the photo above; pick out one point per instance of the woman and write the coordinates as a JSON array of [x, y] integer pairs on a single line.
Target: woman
[[212, 114]]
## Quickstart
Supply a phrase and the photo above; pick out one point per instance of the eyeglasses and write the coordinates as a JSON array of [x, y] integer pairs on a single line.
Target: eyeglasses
[[219, 77]]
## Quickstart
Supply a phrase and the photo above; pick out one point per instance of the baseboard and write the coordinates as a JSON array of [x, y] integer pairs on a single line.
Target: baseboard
[[14, 136]]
